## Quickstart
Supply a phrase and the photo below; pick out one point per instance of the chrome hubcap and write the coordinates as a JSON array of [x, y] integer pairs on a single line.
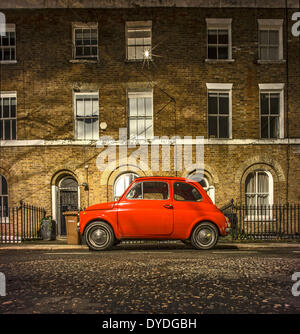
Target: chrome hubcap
[[99, 236], [206, 236]]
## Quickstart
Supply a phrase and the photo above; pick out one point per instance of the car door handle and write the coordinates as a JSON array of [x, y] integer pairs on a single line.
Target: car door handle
[[168, 206]]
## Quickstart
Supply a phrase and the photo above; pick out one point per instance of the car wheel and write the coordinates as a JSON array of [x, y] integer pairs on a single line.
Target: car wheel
[[99, 236], [205, 236]]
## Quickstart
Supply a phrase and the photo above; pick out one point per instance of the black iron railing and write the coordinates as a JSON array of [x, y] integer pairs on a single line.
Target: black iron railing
[[278, 221], [20, 223]]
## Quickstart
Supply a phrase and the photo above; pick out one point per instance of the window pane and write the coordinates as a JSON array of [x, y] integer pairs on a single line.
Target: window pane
[[12, 37], [223, 37], [88, 107], [149, 131], [132, 107], [155, 190], [212, 37], [264, 104], [6, 107], [212, 52], [223, 52], [95, 106], [1, 130], [274, 129], [79, 52], [7, 54], [212, 103], [88, 123], [274, 103], [223, 127], [224, 104], [264, 54], [131, 52], [135, 192], [148, 102], [132, 128], [5, 40], [264, 37], [273, 53], [4, 190], [186, 192], [141, 128], [262, 182], [264, 127], [250, 183], [139, 52], [141, 106], [80, 129], [7, 131], [13, 129], [12, 107], [273, 37], [213, 126], [79, 107]]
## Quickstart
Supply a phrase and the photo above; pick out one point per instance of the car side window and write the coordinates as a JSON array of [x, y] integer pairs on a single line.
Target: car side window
[[153, 190], [186, 192]]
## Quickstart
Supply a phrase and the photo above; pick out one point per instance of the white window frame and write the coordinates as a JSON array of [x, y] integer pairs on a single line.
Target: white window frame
[[273, 88], [79, 25], [134, 25], [219, 24], [271, 24], [10, 27], [141, 94], [75, 95], [258, 217], [9, 95], [221, 88]]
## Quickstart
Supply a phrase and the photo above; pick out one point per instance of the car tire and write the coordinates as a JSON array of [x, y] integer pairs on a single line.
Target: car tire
[[204, 236], [99, 236]]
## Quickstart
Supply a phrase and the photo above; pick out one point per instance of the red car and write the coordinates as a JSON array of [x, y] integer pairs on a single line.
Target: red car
[[156, 208]]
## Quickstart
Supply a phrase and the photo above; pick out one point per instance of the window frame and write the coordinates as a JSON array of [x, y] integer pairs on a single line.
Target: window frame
[[134, 25], [9, 95], [273, 88], [258, 216], [219, 24], [139, 94], [221, 88], [148, 199], [79, 25], [10, 27], [271, 25], [82, 93]]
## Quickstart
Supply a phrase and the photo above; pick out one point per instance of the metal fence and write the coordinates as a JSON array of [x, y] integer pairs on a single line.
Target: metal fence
[[278, 221], [20, 223]]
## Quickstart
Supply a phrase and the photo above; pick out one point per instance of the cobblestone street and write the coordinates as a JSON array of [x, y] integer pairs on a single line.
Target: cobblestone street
[[145, 279]]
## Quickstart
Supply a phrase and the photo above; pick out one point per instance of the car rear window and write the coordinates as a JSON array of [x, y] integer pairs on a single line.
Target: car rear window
[[186, 192]]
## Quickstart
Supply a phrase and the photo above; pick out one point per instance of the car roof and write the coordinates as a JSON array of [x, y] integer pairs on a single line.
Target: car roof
[[173, 178]]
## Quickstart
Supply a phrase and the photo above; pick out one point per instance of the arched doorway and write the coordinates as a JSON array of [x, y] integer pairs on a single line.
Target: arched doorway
[[67, 200]]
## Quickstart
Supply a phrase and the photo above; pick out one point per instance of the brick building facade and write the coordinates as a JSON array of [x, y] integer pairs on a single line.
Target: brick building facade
[[71, 74]]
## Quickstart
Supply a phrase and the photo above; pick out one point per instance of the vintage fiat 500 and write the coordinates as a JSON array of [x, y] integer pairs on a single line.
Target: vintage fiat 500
[[155, 208]]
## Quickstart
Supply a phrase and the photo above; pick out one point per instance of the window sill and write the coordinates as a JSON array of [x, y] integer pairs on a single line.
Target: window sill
[[8, 61], [137, 60], [267, 62], [213, 61], [84, 61]]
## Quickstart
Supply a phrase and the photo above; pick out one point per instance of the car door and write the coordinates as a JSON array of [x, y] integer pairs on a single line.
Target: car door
[[189, 206], [146, 211]]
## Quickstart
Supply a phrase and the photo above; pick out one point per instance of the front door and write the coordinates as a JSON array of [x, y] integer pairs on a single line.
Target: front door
[[147, 211], [68, 199]]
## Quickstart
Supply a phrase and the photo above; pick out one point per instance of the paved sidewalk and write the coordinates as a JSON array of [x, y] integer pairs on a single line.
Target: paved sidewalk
[[62, 245]]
